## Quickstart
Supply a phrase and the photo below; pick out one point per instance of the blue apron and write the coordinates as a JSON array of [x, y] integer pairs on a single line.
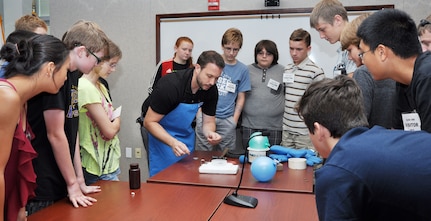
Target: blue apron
[[178, 124]]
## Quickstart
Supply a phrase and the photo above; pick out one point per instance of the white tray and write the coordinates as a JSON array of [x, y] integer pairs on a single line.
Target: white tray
[[218, 166]]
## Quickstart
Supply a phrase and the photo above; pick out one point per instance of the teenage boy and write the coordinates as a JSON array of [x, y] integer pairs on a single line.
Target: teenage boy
[[31, 23], [232, 85], [399, 57], [424, 33], [369, 174], [379, 96], [54, 120], [329, 18], [301, 73]]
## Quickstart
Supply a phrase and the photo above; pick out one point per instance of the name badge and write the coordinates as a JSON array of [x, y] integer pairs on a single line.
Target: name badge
[[288, 78], [411, 121], [230, 87], [337, 72], [273, 84]]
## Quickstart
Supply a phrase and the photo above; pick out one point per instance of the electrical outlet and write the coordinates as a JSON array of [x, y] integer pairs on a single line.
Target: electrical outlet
[[128, 152], [138, 152]]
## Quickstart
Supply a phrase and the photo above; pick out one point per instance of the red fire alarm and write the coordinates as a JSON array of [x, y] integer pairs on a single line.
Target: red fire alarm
[[213, 5]]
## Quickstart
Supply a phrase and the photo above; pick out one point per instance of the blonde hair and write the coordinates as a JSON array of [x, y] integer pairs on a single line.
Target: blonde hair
[[348, 35], [326, 10], [88, 34], [424, 25], [232, 35]]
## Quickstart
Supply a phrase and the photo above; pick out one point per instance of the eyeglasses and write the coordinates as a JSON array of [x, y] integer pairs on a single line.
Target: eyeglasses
[[264, 53], [112, 65], [97, 58], [424, 22], [228, 49], [361, 55]]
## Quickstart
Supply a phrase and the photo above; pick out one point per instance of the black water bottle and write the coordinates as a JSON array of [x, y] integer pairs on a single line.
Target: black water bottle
[[134, 176]]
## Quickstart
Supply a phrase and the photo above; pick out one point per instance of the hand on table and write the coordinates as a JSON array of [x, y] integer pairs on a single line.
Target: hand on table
[[89, 189], [77, 198]]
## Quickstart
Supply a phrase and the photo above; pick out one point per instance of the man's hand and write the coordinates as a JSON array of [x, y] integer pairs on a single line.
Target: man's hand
[[179, 148], [213, 138]]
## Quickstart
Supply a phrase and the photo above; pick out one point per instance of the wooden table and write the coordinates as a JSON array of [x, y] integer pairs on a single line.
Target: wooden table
[[180, 202], [186, 171], [272, 206], [150, 202]]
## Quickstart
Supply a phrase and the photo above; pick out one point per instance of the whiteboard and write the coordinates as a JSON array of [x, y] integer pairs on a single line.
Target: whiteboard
[[206, 33]]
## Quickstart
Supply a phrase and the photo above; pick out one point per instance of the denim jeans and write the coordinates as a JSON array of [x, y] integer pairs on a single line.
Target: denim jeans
[[91, 178]]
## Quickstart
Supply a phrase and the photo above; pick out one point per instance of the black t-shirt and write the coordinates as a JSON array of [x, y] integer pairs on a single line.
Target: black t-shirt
[[50, 182], [415, 97], [174, 89]]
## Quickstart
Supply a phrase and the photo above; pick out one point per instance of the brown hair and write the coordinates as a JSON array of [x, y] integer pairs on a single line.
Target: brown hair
[[270, 47], [30, 23], [336, 103], [113, 51], [301, 35]]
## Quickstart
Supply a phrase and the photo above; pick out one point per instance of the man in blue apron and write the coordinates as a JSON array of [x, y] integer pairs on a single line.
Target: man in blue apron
[[173, 105]]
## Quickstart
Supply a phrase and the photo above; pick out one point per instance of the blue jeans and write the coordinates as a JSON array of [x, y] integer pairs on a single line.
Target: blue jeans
[[91, 178]]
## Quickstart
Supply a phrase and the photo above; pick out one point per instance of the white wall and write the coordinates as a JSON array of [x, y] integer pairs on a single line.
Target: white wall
[[131, 24], [11, 11], [254, 28]]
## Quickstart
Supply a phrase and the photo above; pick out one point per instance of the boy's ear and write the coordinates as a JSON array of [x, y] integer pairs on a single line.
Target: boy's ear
[[383, 51], [80, 50], [337, 20], [319, 131]]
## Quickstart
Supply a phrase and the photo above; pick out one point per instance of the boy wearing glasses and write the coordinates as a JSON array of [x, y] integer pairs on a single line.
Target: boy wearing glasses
[[232, 85], [379, 96], [399, 57], [54, 120], [264, 105], [297, 77]]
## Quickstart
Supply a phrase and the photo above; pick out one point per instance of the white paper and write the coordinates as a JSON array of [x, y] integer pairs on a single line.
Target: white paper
[[116, 113], [273, 84], [411, 121]]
